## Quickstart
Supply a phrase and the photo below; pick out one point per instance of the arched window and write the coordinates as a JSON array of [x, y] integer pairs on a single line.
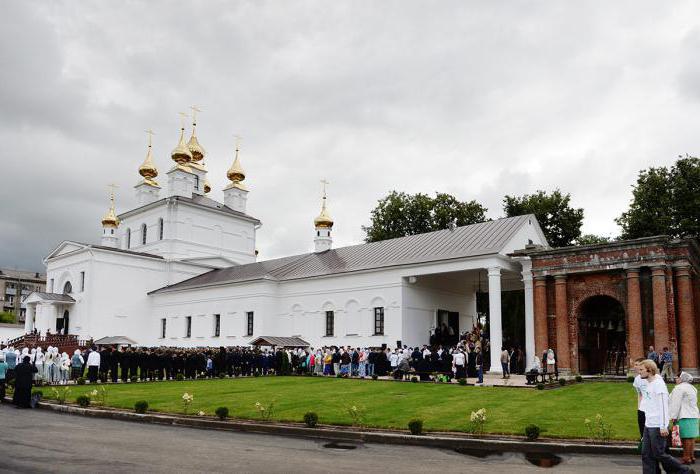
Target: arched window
[[144, 230], [128, 238], [67, 288], [160, 229]]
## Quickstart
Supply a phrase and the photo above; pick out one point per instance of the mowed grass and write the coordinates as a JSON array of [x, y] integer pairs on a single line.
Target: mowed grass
[[560, 412]]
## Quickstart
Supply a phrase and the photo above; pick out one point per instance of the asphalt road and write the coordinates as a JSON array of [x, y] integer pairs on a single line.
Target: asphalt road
[[43, 441]]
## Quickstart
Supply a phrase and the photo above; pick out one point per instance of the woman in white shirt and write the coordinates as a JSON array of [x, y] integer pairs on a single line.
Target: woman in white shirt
[[683, 410]]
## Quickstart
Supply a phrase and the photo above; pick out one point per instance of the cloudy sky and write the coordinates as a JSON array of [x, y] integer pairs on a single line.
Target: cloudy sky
[[477, 99]]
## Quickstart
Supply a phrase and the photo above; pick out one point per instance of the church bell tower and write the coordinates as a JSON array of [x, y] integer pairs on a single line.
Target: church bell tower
[[323, 225], [110, 223]]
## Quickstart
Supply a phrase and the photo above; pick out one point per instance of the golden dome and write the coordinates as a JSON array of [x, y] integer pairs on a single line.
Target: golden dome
[[148, 169], [324, 219], [110, 219], [181, 154], [207, 186], [236, 174], [193, 145]]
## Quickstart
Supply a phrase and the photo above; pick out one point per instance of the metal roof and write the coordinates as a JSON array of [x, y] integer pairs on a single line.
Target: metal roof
[[467, 241], [118, 340], [52, 297], [279, 341]]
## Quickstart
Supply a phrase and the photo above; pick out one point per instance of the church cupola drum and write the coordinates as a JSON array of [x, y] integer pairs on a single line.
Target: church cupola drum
[[110, 223], [236, 194], [323, 225], [196, 165], [148, 190], [181, 179]]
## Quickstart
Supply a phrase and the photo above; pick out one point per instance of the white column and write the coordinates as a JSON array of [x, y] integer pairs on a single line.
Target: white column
[[529, 313], [29, 318], [495, 327]]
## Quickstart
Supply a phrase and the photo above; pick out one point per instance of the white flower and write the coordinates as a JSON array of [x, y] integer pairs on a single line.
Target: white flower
[[257, 404], [93, 393], [201, 413]]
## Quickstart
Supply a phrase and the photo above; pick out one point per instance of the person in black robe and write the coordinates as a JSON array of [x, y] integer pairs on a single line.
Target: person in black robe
[[24, 375]]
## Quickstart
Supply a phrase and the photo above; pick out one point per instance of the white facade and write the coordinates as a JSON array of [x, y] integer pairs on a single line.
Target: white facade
[[130, 287]]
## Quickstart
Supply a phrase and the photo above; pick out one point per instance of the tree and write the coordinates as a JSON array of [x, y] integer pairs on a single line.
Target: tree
[[592, 239], [560, 222], [665, 202], [400, 214], [7, 318]]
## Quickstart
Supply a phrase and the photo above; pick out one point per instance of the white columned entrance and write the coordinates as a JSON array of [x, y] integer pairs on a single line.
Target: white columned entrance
[[529, 313], [495, 324], [29, 323]]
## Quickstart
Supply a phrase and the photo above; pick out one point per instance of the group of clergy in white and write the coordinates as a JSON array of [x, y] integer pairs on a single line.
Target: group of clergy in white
[[53, 367]]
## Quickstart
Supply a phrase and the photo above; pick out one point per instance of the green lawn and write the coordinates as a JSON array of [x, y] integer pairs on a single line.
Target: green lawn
[[560, 412]]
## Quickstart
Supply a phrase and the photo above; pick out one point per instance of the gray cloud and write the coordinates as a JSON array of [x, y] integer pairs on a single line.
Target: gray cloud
[[477, 99]]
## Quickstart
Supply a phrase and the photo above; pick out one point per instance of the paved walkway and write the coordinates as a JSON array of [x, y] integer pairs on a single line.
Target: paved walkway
[[41, 441]]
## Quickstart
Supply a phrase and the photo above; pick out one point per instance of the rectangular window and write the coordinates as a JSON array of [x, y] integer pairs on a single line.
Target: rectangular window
[[329, 323], [249, 321], [162, 328], [188, 326], [196, 182], [160, 229], [378, 321], [82, 281], [51, 285], [217, 325]]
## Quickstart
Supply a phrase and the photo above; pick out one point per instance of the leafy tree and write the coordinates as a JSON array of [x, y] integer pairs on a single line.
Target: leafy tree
[[7, 318], [592, 239], [665, 202], [560, 222], [400, 214]]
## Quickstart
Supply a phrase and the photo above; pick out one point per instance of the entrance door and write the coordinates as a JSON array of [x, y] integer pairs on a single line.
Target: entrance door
[[66, 320], [447, 329], [602, 336]]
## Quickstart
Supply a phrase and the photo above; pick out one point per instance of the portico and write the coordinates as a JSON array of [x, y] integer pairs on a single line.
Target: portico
[[48, 312]]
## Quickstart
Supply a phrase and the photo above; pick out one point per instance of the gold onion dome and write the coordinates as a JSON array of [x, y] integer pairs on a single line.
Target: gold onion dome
[[181, 154], [148, 169], [235, 173], [194, 147], [324, 219], [207, 186], [110, 219]]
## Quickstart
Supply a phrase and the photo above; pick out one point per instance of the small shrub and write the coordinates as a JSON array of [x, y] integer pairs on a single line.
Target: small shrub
[[222, 413], [83, 401], [141, 406], [339, 375], [187, 400], [540, 386], [357, 414], [477, 421], [562, 381], [314, 374], [222, 375], [462, 381], [414, 379], [375, 376], [310, 419], [532, 432], [579, 378], [179, 377], [256, 374], [266, 412], [599, 429], [38, 393], [80, 381], [416, 426], [60, 395], [134, 379], [630, 379]]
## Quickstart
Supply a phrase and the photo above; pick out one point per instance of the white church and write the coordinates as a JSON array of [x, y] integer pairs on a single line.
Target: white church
[[180, 270]]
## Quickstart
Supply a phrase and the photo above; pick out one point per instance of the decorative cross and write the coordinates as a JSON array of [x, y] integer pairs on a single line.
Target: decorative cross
[[194, 109], [324, 182], [183, 116], [150, 137], [238, 141], [112, 187]]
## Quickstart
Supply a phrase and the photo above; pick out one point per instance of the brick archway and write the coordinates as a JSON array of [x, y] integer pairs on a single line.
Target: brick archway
[[601, 326]]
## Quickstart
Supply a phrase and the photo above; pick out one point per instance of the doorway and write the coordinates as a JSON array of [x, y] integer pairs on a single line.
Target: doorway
[[602, 336]]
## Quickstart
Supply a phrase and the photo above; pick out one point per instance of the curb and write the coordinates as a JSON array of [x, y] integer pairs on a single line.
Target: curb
[[454, 442]]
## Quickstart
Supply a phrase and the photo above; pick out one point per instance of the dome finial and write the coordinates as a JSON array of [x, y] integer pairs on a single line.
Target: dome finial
[[148, 169], [235, 173], [181, 154], [324, 219], [193, 145], [110, 219]]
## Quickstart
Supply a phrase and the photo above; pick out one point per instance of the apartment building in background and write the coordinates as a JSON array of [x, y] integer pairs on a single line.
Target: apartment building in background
[[15, 285]]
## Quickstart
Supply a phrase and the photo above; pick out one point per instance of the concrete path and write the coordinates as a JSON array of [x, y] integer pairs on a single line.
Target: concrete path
[[42, 441]]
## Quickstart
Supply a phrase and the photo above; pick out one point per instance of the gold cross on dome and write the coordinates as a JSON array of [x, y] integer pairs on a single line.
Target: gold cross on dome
[[324, 182], [183, 116], [150, 136], [112, 187], [194, 109], [238, 141]]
